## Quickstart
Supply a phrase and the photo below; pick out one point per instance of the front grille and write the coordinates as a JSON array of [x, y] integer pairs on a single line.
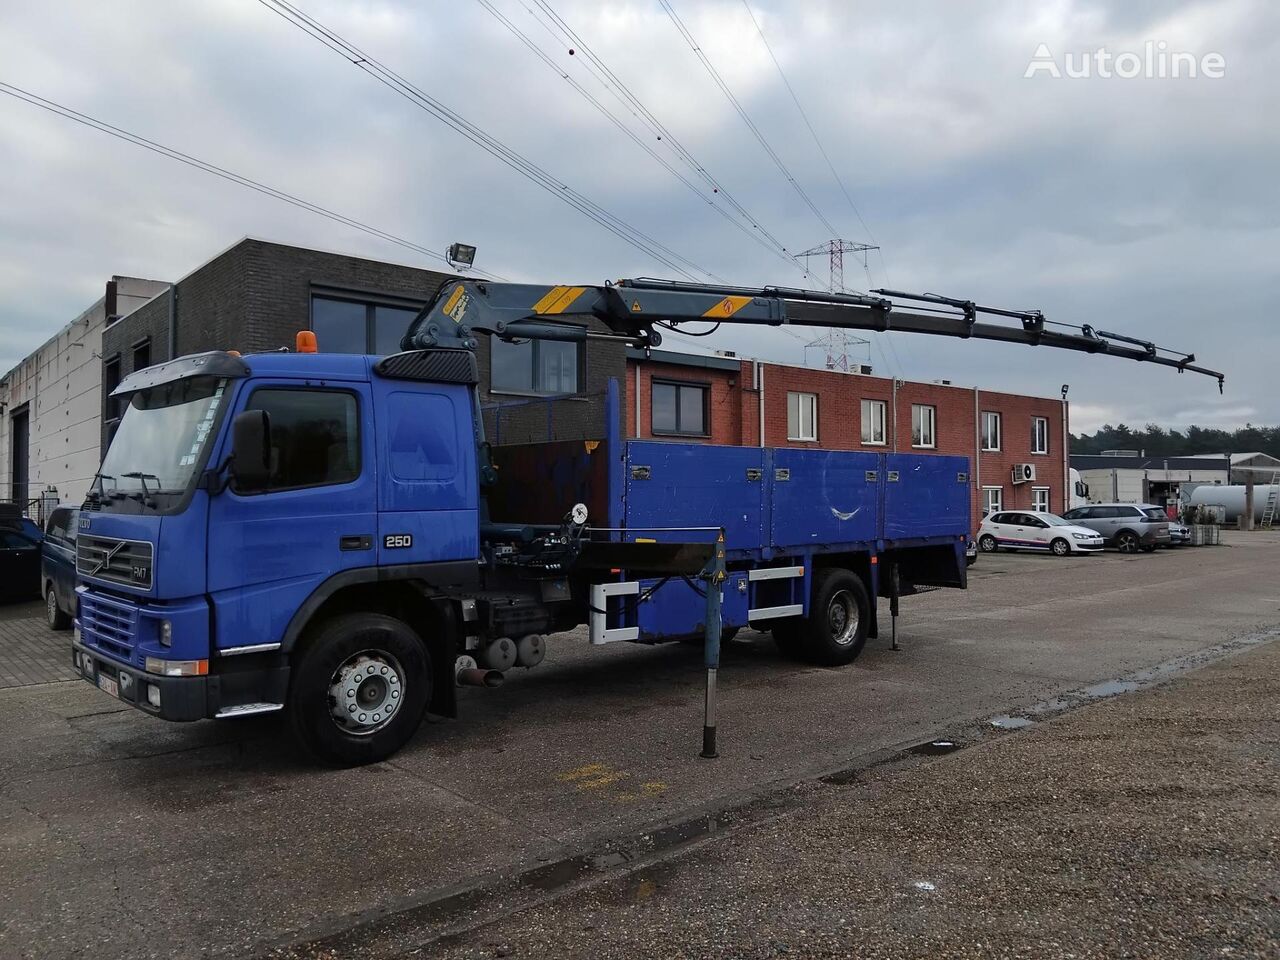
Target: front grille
[[118, 561], [108, 623]]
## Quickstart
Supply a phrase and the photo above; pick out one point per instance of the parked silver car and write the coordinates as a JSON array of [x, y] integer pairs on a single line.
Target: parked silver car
[[1129, 526]]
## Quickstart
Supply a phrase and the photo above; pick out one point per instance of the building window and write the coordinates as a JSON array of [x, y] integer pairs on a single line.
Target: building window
[[142, 355], [924, 423], [1039, 434], [315, 436], [110, 380], [534, 366], [351, 325], [990, 430], [802, 416], [679, 408], [873, 419], [1040, 499], [992, 500]]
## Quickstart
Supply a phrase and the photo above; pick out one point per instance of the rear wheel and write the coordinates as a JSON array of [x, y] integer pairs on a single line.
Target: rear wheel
[[359, 689], [836, 628], [53, 613], [1060, 547], [1127, 541], [987, 543]]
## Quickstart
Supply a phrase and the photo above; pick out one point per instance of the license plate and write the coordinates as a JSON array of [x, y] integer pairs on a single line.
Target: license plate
[[109, 685]]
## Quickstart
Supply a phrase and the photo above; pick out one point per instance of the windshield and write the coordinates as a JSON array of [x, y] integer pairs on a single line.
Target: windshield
[[1053, 520], [160, 441]]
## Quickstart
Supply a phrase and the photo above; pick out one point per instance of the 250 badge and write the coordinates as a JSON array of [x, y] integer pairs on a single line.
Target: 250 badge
[[397, 541]]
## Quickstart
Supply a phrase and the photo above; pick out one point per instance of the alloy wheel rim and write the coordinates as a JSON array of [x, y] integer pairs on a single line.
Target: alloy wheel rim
[[366, 692]]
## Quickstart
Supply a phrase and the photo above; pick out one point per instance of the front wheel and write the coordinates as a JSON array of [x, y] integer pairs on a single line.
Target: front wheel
[[835, 630], [358, 689], [53, 613], [1060, 547], [987, 543]]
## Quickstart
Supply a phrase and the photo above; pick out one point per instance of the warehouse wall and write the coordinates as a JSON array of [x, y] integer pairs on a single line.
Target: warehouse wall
[[58, 388]]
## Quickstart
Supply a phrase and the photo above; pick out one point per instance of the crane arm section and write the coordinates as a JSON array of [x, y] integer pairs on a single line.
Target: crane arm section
[[637, 310]]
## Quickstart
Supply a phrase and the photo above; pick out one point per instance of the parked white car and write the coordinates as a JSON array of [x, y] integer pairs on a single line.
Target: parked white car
[[1035, 530]]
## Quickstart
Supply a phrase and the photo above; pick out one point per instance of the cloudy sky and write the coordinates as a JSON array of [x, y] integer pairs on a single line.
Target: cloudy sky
[[1148, 206]]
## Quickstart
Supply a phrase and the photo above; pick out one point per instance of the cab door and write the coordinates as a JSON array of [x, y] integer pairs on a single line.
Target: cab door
[[315, 516]]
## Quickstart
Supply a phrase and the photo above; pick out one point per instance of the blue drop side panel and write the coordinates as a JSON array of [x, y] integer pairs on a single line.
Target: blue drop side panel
[[828, 498], [928, 499], [696, 485]]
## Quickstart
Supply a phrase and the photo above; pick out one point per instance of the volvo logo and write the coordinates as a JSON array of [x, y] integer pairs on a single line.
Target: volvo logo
[[106, 558]]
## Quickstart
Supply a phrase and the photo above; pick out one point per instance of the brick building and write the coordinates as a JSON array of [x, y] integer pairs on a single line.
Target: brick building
[[726, 400]]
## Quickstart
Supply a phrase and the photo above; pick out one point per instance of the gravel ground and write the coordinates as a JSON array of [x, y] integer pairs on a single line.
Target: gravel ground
[[1147, 825]]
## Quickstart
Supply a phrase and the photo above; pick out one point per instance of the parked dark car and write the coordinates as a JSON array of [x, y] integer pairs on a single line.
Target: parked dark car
[[58, 567], [19, 556]]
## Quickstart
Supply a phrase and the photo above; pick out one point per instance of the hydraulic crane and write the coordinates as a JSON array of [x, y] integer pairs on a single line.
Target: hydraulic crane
[[637, 310]]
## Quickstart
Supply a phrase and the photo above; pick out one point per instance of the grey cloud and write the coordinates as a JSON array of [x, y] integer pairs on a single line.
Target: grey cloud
[[1150, 207]]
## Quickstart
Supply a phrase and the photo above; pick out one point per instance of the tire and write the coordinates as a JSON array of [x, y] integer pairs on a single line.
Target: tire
[[1127, 541], [54, 614], [836, 629], [1060, 548], [382, 665], [987, 543]]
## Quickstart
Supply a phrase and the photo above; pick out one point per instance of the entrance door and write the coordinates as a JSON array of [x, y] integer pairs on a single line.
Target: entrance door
[[20, 455]]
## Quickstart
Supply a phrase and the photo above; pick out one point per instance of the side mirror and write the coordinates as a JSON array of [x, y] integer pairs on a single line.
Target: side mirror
[[251, 449]]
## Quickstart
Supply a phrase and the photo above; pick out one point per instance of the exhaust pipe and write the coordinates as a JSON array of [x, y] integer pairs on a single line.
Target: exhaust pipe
[[479, 677]]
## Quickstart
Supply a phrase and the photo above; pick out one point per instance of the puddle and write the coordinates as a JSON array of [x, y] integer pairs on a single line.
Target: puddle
[[1109, 688], [1006, 722], [934, 748]]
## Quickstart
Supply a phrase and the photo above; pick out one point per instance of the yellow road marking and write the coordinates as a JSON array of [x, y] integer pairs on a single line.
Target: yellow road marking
[[590, 770]]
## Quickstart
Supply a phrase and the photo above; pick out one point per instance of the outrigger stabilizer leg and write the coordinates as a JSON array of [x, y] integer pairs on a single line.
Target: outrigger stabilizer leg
[[714, 576]]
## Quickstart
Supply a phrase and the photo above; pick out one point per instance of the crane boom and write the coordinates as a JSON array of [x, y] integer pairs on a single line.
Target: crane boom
[[637, 310]]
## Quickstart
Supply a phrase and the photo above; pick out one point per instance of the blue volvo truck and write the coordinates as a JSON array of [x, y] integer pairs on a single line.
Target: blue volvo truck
[[331, 536]]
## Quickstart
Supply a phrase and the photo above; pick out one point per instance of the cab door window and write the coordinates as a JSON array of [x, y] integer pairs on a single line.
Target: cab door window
[[314, 437]]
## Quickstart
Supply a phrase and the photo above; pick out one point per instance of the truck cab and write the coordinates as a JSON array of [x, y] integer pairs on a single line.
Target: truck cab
[[241, 502]]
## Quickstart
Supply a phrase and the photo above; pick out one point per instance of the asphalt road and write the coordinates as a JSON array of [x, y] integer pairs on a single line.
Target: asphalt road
[[124, 836]]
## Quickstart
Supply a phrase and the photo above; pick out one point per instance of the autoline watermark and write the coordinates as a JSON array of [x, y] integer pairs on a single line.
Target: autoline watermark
[[1155, 62]]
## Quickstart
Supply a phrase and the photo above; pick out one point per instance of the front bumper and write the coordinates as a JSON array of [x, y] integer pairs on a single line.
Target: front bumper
[[1088, 546], [181, 698], [254, 690]]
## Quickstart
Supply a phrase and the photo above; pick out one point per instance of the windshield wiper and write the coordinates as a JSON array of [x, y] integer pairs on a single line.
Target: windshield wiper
[[95, 495], [145, 496]]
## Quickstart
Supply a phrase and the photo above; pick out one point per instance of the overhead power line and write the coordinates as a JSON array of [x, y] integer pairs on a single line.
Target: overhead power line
[[554, 24], [451, 118], [805, 117], [746, 118], [750, 228], [103, 127]]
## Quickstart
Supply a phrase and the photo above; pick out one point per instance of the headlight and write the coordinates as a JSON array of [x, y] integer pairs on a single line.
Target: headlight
[[1084, 536], [177, 668]]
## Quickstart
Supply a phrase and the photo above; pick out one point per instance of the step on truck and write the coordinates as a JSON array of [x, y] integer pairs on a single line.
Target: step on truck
[[331, 536]]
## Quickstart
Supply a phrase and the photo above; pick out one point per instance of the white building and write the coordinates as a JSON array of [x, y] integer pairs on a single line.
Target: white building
[[51, 403], [1122, 478]]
